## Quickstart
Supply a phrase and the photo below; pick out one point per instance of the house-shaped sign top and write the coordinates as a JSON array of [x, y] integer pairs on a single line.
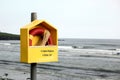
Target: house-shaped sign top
[[31, 36]]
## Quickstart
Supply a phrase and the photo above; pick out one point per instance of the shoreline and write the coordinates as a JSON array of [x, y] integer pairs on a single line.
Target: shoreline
[[72, 65]]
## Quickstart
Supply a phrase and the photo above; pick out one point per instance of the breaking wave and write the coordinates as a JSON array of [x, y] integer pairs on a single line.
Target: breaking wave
[[5, 43]]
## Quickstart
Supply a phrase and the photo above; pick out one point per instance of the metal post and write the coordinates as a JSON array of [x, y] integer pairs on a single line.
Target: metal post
[[33, 65], [33, 71], [33, 16]]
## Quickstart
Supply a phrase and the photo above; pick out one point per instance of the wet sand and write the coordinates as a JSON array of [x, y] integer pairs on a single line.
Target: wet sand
[[73, 65]]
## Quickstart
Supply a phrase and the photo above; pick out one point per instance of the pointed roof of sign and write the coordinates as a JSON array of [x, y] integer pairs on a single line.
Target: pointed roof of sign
[[43, 23]]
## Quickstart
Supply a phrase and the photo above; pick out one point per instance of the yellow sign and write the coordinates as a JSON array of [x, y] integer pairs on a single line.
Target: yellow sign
[[38, 42]]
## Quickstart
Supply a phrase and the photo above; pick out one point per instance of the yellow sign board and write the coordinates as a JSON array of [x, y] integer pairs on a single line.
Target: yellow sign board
[[38, 42]]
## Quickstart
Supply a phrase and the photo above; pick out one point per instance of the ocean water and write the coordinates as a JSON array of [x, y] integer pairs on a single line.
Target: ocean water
[[91, 43], [79, 59]]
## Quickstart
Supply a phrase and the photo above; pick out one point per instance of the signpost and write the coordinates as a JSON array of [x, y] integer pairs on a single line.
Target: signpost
[[33, 66], [38, 43]]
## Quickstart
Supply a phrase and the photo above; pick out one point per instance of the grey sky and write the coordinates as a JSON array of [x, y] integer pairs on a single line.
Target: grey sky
[[72, 18]]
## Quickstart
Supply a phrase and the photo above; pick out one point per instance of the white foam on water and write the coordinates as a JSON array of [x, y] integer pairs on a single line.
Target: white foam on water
[[89, 51], [5, 43], [65, 47]]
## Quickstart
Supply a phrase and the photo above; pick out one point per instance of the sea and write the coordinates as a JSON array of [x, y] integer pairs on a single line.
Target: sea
[[79, 59], [91, 43]]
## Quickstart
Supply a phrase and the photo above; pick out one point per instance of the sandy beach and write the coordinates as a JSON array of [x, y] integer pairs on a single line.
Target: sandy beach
[[82, 64]]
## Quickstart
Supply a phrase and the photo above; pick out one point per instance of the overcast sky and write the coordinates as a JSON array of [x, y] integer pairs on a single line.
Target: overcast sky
[[73, 18]]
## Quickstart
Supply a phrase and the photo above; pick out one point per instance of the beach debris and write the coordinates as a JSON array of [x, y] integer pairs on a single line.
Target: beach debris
[[27, 78], [118, 53], [6, 74], [5, 77], [75, 47]]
